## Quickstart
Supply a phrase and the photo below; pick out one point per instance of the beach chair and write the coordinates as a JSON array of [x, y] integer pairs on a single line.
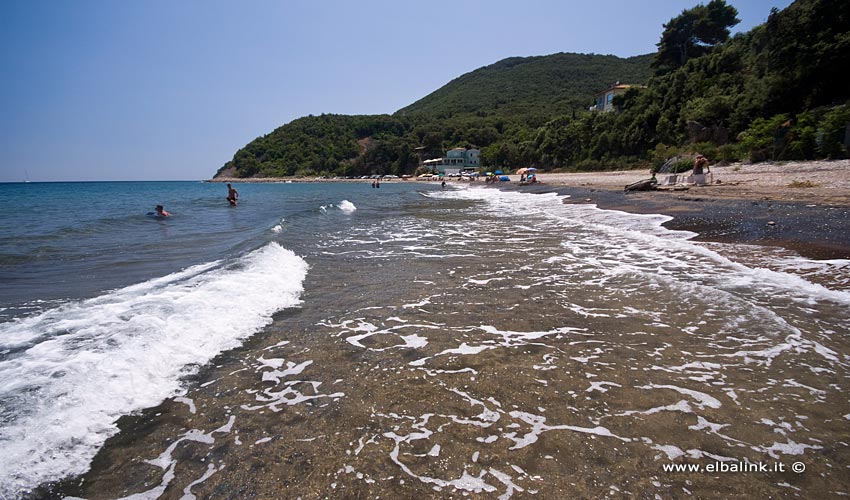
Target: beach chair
[[699, 179], [670, 180]]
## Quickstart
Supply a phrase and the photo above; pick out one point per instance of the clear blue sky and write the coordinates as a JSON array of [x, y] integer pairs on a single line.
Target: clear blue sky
[[170, 89]]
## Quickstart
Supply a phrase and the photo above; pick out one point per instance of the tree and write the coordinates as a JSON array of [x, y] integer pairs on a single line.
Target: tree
[[693, 33], [806, 47]]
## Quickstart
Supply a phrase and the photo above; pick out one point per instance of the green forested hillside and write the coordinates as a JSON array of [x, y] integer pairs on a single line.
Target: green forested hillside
[[531, 86], [776, 92], [337, 144], [508, 99]]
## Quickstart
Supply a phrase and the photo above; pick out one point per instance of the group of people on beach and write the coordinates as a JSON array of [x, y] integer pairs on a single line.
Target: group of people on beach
[[232, 198], [700, 167], [527, 179]]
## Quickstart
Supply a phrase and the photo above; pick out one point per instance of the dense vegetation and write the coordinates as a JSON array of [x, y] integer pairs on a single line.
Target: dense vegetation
[[531, 87], [509, 99], [775, 92]]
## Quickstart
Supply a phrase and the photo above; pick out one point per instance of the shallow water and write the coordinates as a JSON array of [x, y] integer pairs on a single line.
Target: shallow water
[[498, 344]]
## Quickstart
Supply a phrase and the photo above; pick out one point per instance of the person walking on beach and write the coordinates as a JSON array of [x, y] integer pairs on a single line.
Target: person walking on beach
[[700, 163], [232, 195]]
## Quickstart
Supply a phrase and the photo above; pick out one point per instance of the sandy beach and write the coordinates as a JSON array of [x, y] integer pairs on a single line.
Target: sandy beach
[[801, 206], [821, 182]]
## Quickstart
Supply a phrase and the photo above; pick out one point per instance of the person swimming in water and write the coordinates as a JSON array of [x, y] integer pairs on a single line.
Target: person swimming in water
[[160, 212], [232, 195]]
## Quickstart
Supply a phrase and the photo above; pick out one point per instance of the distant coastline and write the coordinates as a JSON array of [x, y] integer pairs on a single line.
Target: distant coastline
[[821, 181], [801, 206]]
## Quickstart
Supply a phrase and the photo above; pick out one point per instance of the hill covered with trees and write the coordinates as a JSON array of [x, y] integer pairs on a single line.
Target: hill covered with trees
[[511, 98], [531, 87], [775, 92]]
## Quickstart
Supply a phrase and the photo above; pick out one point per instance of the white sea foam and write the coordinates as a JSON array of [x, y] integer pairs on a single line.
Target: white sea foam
[[347, 207], [702, 399], [635, 234], [83, 365], [168, 463], [538, 426]]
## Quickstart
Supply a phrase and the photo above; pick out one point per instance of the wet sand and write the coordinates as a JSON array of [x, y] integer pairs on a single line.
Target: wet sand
[[481, 373], [493, 377]]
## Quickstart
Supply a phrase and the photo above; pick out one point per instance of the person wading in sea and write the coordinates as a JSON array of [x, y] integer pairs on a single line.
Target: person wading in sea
[[232, 195]]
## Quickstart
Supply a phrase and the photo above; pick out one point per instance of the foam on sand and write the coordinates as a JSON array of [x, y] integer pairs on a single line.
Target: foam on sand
[[71, 372]]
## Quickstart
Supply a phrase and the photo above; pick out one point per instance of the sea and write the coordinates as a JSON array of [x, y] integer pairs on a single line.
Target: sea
[[336, 340]]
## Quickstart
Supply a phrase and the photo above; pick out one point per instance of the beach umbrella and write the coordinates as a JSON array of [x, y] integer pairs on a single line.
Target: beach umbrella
[[531, 169], [499, 172], [488, 173], [522, 171]]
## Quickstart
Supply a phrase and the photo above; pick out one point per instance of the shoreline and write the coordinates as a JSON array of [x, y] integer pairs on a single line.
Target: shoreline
[[323, 398], [800, 206], [819, 232]]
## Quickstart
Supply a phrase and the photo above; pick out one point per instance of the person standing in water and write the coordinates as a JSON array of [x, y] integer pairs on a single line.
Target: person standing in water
[[232, 195]]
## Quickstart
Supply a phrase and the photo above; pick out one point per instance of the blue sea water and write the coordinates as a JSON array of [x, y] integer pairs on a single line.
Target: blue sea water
[[74, 240], [497, 329], [105, 309]]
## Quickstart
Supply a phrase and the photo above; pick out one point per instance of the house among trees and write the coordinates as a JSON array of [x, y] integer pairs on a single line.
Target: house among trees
[[605, 99], [455, 161]]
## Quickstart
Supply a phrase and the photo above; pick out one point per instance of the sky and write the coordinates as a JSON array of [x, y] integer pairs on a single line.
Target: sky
[[170, 89]]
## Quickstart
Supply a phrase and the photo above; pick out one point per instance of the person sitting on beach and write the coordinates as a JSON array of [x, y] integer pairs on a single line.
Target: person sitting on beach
[[700, 165], [160, 212], [232, 195]]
